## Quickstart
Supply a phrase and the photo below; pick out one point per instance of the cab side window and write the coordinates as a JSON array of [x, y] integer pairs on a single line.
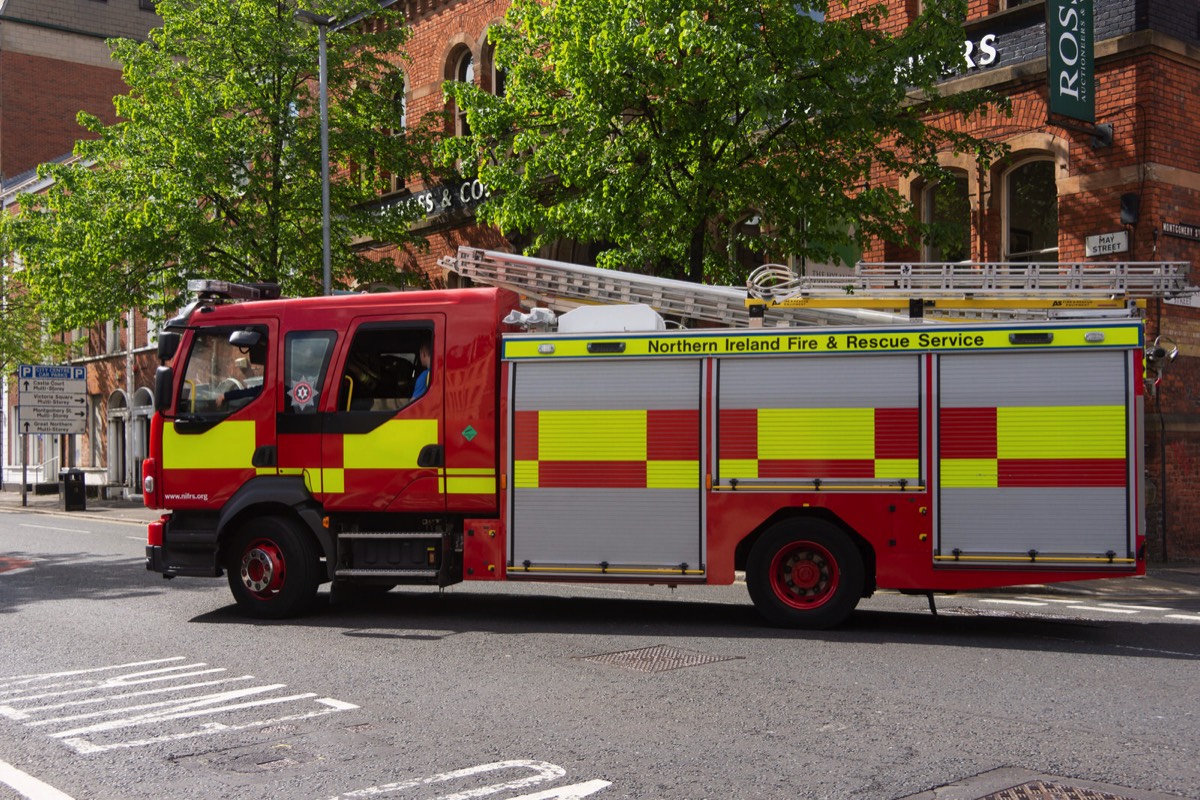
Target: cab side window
[[307, 358], [386, 368], [225, 370]]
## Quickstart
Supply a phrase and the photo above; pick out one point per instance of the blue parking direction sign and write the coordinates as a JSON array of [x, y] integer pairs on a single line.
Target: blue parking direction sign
[[51, 398]]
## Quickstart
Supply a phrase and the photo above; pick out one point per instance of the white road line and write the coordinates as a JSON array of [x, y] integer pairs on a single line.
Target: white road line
[[28, 786], [1012, 602], [1188, 617], [336, 705], [71, 673], [190, 709], [1053, 600], [106, 702], [84, 747], [17, 571], [543, 772], [12, 713], [572, 792], [1108, 609], [52, 528], [178, 705], [112, 683], [1136, 608]]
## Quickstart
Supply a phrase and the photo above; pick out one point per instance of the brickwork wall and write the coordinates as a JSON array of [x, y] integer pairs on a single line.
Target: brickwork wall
[[40, 99], [1149, 96], [104, 18]]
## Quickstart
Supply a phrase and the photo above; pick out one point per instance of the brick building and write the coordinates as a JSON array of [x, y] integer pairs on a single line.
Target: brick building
[[1065, 182], [54, 63]]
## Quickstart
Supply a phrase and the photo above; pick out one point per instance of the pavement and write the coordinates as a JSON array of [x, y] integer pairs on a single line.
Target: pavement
[[1161, 582]]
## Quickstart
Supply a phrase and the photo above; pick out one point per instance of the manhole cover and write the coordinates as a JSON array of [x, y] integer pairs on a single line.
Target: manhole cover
[[659, 658], [1044, 790]]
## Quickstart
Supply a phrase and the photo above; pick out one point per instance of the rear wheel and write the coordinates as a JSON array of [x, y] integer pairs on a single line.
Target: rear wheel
[[273, 568], [805, 574]]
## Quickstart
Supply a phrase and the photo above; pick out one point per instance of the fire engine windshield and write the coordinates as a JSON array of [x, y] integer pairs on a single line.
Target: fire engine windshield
[[225, 370]]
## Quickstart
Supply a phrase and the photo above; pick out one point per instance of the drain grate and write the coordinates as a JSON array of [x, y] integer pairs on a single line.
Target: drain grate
[[658, 658], [1044, 790]]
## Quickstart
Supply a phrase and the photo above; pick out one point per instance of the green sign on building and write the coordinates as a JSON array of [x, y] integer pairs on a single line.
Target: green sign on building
[[1069, 59]]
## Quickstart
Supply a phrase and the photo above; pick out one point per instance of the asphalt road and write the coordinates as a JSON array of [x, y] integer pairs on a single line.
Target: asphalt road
[[117, 684]]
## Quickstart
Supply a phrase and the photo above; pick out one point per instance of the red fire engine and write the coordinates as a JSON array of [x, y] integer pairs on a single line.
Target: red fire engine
[[374, 440]]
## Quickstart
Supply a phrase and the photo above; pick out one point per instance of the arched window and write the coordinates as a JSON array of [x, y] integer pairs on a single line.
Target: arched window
[[400, 105], [947, 205], [496, 75], [1031, 212], [464, 72], [400, 124]]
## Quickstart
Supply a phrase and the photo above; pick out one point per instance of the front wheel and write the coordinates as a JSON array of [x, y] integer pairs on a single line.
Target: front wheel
[[273, 568], [805, 574]]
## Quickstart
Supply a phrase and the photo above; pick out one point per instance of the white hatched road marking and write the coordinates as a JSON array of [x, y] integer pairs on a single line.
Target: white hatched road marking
[[98, 698], [543, 772], [1188, 617], [28, 786]]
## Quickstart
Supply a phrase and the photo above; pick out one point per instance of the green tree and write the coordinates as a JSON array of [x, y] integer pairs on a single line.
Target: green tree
[[213, 169], [654, 126]]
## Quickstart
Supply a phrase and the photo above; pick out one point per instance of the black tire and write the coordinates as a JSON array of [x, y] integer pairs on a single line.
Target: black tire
[[273, 568], [805, 574]]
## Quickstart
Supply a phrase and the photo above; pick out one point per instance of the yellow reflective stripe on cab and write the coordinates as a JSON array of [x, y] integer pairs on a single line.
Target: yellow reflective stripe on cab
[[469, 480], [228, 445], [393, 445]]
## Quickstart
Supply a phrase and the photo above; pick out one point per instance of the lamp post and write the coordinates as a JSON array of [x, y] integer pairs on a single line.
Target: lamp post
[[323, 22], [326, 25]]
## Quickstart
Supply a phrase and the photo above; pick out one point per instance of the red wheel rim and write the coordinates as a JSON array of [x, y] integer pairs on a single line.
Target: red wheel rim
[[263, 568], [804, 575]]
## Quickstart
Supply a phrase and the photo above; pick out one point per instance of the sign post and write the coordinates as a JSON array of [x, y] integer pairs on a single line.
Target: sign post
[[50, 399]]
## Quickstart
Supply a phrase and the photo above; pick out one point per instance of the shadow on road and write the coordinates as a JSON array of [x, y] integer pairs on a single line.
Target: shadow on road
[[427, 616]]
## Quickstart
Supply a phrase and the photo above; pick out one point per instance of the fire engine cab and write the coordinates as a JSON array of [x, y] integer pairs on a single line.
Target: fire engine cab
[[373, 440]]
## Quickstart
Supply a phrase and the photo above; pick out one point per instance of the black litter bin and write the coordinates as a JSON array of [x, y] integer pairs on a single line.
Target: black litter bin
[[74, 490]]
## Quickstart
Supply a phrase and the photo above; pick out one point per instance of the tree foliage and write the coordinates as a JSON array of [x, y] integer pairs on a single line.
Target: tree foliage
[[654, 126], [213, 168]]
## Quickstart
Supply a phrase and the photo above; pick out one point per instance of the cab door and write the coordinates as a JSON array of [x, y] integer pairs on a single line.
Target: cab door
[[382, 437], [223, 426]]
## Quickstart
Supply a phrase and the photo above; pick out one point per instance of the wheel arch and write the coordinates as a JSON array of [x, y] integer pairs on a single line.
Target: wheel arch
[[276, 495], [799, 515]]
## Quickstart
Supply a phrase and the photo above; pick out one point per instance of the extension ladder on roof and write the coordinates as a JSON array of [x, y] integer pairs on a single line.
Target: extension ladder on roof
[[1009, 288], [562, 286]]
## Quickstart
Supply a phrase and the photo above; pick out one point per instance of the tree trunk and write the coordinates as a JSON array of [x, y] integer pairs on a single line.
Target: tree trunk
[[696, 254]]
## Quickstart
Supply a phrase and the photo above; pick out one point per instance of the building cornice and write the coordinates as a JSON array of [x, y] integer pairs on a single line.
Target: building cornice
[[1107, 51]]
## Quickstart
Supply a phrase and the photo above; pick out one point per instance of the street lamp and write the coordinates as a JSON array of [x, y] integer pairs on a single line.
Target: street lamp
[[326, 25], [323, 21]]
